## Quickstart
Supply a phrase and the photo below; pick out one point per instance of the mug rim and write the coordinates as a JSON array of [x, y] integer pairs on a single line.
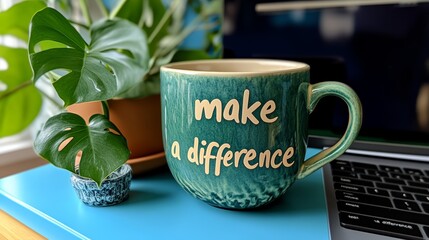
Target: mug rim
[[274, 67]]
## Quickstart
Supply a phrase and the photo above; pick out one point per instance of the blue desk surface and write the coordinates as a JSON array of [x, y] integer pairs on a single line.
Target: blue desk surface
[[158, 208]]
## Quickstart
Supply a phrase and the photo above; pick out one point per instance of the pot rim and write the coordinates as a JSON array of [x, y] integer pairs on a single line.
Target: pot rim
[[127, 170]]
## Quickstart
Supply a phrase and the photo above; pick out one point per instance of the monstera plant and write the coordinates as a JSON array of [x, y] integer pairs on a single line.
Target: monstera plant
[[117, 55], [113, 61]]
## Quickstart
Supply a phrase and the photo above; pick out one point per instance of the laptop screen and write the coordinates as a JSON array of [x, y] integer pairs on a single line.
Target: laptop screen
[[380, 50]]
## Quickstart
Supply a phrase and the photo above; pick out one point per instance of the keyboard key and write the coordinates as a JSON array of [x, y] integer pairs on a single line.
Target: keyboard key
[[422, 198], [344, 173], [407, 205], [400, 176], [341, 168], [388, 186], [364, 165], [346, 187], [377, 191], [402, 195], [425, 207], [394, 181], [370, 177], [377, 173], [358, 170], [418, 184], [415, 190], [413, 171], [363, 198], [390, 169], [421, 179], [377, 211], [352, 181], [379, 225]]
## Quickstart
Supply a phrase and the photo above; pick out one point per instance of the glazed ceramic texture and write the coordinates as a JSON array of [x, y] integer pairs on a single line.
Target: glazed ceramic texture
[[238, 140], [235, 187], [114, 190]]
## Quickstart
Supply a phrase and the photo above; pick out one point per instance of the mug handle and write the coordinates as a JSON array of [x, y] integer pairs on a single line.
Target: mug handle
[[317, 92]]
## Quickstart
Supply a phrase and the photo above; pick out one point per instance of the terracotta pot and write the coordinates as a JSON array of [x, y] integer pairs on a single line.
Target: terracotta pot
[[139, 120]]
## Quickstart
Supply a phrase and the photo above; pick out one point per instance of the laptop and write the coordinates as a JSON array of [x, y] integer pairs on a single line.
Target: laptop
[[378, 196], [379, 189]]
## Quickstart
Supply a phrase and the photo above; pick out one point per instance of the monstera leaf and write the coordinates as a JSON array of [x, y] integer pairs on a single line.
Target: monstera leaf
[[115, 60], [20, 101], [20, 108], [101, 147], [16, 19], [149, 19]]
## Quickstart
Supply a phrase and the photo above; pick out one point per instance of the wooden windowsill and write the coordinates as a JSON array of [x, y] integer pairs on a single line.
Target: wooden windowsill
[[18, 157]]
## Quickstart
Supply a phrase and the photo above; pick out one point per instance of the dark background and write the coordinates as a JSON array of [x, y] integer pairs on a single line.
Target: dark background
[[381, 51]]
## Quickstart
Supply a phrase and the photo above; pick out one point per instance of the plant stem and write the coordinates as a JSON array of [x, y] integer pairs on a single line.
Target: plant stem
[[117, 8], [16, 89], [105, 109], [181, 36], [162, 22], [103, 8], [85, 11], [24, 85]]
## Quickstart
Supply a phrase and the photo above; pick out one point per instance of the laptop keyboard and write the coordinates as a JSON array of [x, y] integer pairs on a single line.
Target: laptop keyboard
[[382, 199]]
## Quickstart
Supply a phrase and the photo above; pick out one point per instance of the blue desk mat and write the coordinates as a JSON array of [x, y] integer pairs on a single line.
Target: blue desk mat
[[43, 199]]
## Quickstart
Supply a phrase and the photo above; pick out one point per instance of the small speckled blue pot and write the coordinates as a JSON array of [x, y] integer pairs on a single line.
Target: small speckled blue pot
[[235, 131], [114, 190]]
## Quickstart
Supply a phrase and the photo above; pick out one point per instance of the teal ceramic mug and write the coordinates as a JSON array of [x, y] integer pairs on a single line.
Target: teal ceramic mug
[[235, 131]]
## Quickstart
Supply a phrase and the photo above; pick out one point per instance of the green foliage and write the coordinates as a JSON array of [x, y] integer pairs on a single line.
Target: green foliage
[[166, 30], [20, 101], [17, 109], [15, 20], [150, 16], [101, 147], [187, 55], [117, 56], [115, 60]]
